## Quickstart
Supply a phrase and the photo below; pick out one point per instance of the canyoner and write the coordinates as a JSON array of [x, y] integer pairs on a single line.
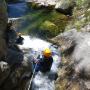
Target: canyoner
[[44, 75], [47, 73]]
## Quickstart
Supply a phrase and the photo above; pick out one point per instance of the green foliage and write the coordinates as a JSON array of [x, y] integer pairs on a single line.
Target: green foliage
[[83, 3]]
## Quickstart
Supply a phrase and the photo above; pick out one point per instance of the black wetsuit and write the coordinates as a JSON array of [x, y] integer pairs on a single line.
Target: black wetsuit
[[45, 64]]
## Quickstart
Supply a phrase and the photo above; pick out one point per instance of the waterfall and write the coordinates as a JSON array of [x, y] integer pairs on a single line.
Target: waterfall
[[42, 81]]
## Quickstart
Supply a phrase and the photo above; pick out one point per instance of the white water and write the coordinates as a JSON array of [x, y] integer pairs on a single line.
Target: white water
[[35, 43], [42, 81]]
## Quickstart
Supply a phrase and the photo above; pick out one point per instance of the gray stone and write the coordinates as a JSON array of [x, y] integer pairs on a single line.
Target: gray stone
[[4, 71], [77, 46], [63, 6]]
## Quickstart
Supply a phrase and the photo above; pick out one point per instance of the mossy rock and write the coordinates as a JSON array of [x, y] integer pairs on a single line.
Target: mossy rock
[[45, 23], [49, 29]]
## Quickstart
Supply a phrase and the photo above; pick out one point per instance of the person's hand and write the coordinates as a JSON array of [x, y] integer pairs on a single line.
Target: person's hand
[[36, 61]]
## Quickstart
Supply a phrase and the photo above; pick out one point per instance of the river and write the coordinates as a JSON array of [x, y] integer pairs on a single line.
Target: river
[[34, 46], [40, 81]]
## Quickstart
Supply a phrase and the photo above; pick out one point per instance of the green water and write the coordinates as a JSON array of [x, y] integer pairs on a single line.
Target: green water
[[44, 23]]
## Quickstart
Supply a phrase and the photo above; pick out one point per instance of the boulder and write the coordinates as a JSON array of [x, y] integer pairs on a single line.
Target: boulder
[[15, 69], [65, 6], [18, 74], [48, 29], [4, 71], [76, 46]]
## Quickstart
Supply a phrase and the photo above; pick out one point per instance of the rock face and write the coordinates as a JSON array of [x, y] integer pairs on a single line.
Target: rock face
[[80, 43], [76, 45], [62, 6], [15, 68], [3, 24]]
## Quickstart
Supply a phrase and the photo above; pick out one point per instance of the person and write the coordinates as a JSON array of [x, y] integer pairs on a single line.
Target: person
[[45, 62], [19, 39]]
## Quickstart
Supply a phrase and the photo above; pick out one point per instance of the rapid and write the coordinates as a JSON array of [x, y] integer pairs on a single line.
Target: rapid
[[35, 46], [32, 47]]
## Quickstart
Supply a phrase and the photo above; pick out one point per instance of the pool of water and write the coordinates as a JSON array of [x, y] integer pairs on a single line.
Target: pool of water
[[17, 10]]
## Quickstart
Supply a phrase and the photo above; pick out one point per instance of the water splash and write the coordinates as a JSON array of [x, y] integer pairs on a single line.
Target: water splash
[[42, 81], [34, 43]]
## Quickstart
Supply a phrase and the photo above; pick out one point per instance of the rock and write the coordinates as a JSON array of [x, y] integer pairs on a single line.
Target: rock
[[15, 69], [3, 24], [14, 57], [65, 7], [74, 73], [4, 71], [62, 6], [3, 15], [20, 73], [86, 28], [48, 29], [65, 40], [77, 46]]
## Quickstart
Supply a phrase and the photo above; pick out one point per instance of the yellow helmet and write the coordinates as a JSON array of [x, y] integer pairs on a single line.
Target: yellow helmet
[[47, 52]]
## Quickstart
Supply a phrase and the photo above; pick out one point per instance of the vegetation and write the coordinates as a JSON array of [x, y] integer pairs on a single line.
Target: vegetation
[[81, 15]]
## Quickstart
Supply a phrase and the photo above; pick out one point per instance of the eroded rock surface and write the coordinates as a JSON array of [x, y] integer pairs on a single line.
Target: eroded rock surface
[[76, 45]]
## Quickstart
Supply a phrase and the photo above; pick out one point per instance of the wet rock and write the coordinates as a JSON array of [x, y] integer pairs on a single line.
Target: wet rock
[[86, 28], [4, 71], [15, 69], [20, 73], [65, 7], [48, 29], [77, 48], [14, 57], [62, 6], [65, 40]]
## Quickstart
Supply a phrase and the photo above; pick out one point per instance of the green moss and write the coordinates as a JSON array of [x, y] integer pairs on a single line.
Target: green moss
[[43, 21], [49, 28]]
